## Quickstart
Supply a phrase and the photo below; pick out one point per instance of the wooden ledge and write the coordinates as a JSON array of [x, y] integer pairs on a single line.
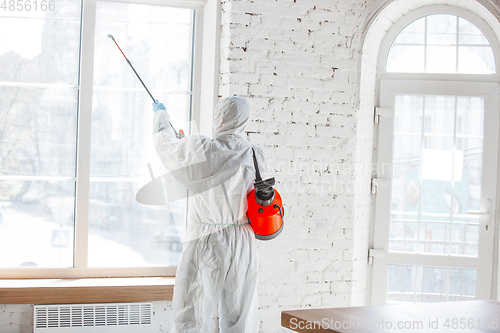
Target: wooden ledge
[[95, 290]]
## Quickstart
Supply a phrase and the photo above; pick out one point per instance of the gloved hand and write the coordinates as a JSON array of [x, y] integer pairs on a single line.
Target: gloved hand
[[158, 106]]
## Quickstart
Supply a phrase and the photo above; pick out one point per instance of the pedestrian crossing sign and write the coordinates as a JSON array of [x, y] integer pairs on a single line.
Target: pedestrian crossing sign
[[60, 238]]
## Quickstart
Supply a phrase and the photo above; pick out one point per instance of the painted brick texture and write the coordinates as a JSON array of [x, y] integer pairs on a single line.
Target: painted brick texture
[[298, 62]]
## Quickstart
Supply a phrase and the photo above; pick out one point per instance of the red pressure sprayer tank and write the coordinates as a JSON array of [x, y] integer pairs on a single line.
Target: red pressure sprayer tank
[[265, 208], [266, 222]]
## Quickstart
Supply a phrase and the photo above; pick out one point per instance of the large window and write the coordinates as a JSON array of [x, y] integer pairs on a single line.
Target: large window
[[72, 162], [439, 133]]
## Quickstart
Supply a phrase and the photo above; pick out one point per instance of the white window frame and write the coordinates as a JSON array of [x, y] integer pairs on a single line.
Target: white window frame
[[430, 10], [205, 89], [390, 84]]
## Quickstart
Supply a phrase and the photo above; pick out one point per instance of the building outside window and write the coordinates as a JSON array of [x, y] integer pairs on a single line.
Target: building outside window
[[76, 136]]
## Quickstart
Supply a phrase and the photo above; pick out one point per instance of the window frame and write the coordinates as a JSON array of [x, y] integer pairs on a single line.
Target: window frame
[[400, 24], [484, 261], [422, 81], [205, 69]]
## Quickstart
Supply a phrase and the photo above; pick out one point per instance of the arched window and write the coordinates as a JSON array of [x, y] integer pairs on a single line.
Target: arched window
[[438, 129], [441, 43]]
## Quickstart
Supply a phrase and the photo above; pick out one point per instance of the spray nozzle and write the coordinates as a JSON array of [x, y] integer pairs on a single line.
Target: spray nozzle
[[180, 134]]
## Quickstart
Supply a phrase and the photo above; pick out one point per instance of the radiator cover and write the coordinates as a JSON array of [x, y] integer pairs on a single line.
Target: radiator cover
[[93, 318]]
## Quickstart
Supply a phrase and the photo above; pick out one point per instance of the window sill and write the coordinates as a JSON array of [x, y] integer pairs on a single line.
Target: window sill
[[95, 290]]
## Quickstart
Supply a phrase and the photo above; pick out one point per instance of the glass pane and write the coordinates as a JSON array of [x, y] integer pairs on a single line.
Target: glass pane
[[437, 180], [406, 169], [405, 186], [404, 233], [441, 43], [413, 33], [158, 41], [401, 283], [476, 60], [470, 116], [469, 34], [39, 53], [38, 131], [121, 141], [433, 284], [441, 59], [442, 30], [41, 46], [423, 284], [125, 233], [462, 284], [406, 58], [405, 193], [36, 224], [465, 235], [472, 173], [408, 118], [439, 116], [435, 215]]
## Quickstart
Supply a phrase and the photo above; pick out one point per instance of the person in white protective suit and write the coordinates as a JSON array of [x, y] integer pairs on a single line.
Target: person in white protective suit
[[219, 264]]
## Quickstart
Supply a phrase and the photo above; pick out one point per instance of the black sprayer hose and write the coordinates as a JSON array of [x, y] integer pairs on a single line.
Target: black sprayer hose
[[282, 213]]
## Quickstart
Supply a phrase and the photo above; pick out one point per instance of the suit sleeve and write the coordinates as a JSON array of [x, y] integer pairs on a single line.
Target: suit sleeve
[[176, 153]]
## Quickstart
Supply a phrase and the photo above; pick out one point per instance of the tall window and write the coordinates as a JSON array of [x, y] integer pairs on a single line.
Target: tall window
[[41, 139], [440, 137]]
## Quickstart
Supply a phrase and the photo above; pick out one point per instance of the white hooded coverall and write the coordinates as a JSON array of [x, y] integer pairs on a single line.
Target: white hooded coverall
[[219, 260]]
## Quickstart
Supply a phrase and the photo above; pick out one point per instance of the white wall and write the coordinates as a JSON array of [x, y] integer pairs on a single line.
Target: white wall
[[298, 62], [282, 54], [16, 318]]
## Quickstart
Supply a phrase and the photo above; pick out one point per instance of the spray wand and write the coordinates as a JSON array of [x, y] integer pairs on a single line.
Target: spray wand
[[180, 134]]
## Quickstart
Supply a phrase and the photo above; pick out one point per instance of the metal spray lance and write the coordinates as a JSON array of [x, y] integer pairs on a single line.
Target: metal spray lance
[[179, 134]]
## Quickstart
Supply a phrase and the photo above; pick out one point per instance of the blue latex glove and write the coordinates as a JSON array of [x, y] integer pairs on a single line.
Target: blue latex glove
[[158, 106]]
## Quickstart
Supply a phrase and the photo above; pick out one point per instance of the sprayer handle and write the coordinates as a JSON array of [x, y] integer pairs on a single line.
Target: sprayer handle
[[179, 135], [262, 184]]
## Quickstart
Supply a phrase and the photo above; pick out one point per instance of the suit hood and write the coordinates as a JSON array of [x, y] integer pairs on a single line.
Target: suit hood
[[231, 116]]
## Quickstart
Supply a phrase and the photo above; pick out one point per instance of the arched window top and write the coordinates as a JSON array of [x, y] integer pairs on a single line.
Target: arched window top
[[441, 43]]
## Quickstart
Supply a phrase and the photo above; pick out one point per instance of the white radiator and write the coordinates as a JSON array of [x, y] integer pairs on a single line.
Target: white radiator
[[93, 318]]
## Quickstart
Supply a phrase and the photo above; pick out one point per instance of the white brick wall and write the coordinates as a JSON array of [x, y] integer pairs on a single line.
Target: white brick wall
[[16, 318], [297, 61]]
